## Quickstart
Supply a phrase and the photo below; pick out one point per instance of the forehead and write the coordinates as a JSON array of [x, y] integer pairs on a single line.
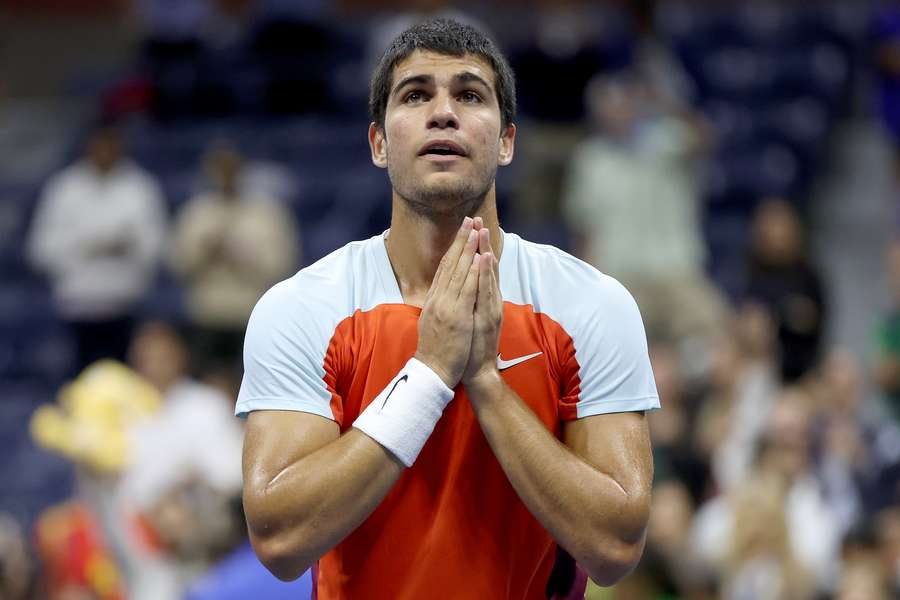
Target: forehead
[[441, 66]]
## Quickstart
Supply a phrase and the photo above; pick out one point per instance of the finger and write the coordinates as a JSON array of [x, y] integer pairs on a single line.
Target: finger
[[484, 241], [470, 286], [495, 280], [477, 223], [451, 257], [458, 278], [483, 302], [485, 247], [495, 268]]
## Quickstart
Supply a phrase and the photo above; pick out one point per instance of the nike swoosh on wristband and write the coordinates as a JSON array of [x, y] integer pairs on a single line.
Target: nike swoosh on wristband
[[505, 364], [404, 378]]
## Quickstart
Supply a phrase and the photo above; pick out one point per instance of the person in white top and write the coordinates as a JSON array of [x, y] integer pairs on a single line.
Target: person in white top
[[217, 252], [98, 234]]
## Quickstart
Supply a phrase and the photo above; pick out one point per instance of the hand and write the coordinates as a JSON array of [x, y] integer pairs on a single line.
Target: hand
[[445, 325], [488, 311], [215, 246], [114, 247]]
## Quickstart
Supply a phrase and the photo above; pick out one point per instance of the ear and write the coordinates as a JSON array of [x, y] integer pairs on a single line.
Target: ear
[[378, 145], [507, 145]]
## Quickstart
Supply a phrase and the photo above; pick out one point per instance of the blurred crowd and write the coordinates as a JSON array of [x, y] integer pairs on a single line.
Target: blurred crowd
[[646, 131]]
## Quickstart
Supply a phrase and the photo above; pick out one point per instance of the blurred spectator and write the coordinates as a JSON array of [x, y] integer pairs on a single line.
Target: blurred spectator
[[860, 450], [730, 528], [184, 474], [632, 198], [742, 387], [76, 561], [159, 473], [98, 235], [194, 433], [782, 280], [231, 244], [760, 562], [82, 542]]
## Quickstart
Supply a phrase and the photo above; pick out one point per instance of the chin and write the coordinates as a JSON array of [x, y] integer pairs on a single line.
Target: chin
[[456, 200]]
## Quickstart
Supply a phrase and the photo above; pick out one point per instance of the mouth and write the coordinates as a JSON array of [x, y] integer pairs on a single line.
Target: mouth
[[442, 150]]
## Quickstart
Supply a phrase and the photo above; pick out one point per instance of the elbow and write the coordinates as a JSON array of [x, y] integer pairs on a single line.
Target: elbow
[[284, 562], [610, 564], [612, 556]]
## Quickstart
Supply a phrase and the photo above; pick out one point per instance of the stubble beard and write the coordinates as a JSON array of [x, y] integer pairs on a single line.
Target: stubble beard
[[442, 202]]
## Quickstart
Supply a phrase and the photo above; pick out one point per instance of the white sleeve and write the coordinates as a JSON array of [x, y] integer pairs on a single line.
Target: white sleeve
[[53, 240], [285, 354], [611, 370]]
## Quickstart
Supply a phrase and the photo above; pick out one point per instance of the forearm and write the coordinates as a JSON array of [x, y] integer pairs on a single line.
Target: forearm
[[587, 511], [312, 504]]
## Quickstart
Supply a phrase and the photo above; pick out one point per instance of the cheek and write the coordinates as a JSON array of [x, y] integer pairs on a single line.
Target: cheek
[[488, 136], [397, 134]]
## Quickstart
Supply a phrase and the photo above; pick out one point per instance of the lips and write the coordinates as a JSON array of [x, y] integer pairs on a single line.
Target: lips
[[442, 148]]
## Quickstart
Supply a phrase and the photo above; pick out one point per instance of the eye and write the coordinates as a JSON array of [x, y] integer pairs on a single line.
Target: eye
[[470, 97], [414, 97]]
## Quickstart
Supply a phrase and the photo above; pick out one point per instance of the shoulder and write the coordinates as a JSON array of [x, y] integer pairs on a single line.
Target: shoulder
[[72, 175], [200, 205], [557, 282], [603, 345], [287, 348], [324, 292], [136, 175]]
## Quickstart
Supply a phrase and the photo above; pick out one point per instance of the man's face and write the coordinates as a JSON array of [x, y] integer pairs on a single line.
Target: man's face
[[442, 139], [104, 150]]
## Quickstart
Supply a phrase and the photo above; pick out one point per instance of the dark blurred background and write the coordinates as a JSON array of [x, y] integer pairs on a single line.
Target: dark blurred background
[[735, 164]]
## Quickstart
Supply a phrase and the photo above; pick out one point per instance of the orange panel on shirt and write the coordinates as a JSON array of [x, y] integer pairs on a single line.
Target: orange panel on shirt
[[452, 526]]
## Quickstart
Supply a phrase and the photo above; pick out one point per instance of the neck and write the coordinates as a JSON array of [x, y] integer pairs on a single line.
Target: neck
[[416, 243]]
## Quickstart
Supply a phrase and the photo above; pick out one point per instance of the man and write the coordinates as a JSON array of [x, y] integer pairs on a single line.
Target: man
[[632, 197], [401, 440], [98, 233], [216, 251]]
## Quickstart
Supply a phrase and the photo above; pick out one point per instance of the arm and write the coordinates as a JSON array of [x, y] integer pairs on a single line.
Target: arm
[[592, 494], [306, 487]]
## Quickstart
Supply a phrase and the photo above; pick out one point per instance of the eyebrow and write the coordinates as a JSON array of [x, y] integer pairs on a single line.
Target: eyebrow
[[462, 77], [468, 77]]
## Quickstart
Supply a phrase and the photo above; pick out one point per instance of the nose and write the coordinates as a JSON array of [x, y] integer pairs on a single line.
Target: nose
[[443, 116]]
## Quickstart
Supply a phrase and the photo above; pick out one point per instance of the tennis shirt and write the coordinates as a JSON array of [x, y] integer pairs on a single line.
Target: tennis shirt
[[333, 336]]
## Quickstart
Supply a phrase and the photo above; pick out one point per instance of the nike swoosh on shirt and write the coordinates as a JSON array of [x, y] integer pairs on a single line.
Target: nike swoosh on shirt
[[404, 378], [505, 364]]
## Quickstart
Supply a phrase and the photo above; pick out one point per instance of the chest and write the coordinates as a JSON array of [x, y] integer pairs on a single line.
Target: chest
[[527, 359], [95, 203]]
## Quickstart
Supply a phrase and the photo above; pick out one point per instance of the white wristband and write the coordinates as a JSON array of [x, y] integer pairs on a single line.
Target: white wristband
[[403, 415]]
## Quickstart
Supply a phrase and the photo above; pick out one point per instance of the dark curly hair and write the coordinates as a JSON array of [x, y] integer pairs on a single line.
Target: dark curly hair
[[443, 36]]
